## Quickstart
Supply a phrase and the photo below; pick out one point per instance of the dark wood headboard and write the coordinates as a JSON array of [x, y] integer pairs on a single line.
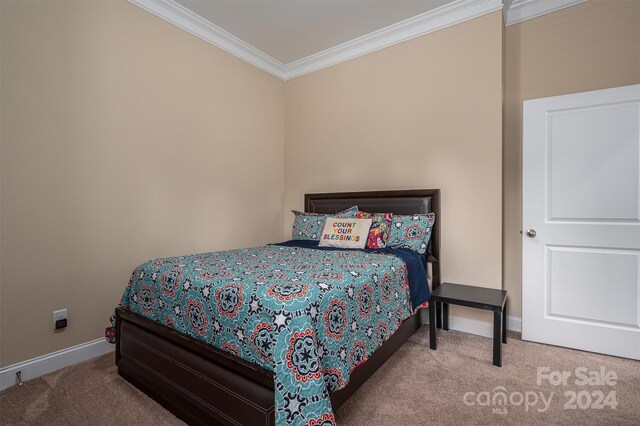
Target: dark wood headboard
[[399, 202]]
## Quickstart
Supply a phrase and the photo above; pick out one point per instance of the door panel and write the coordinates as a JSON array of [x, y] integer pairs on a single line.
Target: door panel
[[586, 134], [581, 193], [593, 284]]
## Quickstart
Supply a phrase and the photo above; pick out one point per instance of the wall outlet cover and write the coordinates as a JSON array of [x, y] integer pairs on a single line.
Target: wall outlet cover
[[59, 316]]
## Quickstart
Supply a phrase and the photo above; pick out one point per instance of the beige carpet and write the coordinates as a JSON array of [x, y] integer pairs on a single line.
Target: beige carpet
[[417, 386]]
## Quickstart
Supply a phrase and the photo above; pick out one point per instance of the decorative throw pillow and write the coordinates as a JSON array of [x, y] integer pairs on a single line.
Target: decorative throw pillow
[[411, 231], [345, 232], [308, 226], [380, 228]]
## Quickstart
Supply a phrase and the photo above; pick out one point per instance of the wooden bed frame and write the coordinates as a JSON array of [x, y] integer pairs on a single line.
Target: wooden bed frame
[[204, 385]]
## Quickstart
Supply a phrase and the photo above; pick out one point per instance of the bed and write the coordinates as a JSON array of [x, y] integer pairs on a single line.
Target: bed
[[202, 384]]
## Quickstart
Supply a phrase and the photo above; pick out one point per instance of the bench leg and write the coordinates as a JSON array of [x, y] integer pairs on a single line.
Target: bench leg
[[445, 316], [504, 323], [432, 325], [497, 338]]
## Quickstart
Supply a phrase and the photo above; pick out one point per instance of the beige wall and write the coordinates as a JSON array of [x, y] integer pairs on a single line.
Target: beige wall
[[123, 138], [426, 113], [594, 45]]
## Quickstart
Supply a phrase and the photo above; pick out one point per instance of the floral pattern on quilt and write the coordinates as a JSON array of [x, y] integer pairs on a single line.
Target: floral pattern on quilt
[[413, 231], [310, 316], [380, 228], [308, 226]]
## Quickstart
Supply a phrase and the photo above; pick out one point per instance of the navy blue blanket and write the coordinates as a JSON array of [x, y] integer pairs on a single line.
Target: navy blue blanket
[[418, 285]]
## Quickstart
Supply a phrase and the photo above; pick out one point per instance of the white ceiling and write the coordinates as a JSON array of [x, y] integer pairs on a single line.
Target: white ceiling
[[289, 30]]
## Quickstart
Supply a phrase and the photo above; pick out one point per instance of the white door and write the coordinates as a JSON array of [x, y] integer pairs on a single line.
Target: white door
[[581, 198]]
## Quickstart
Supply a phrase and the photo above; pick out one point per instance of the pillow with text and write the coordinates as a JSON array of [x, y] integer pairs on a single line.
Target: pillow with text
[[345, 233]]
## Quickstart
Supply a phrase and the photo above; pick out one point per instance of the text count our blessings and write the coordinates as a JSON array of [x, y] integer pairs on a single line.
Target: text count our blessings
[[342, 232]]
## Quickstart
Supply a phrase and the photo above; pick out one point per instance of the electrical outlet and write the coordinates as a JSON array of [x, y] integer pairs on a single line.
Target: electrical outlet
[[59, 319]]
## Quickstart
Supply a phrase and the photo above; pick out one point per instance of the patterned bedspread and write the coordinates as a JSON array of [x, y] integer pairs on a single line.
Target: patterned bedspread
[[310, 316]]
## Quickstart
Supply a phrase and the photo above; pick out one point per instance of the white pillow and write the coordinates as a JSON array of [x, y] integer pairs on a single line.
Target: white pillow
[[345, 232]]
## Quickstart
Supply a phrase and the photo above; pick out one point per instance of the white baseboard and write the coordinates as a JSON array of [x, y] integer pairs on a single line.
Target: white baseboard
[[514, 323], [482, 328], [45, 364]]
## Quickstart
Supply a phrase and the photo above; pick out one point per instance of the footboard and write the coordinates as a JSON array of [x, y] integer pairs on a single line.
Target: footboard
[[203, 385], [195, 381]]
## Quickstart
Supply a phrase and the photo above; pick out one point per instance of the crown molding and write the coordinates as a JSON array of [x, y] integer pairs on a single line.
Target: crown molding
[[434, 20], [445, 16], [522, 10], [182, 17]]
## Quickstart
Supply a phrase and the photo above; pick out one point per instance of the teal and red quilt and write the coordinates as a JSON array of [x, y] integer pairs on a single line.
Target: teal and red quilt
[[309, 315]]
